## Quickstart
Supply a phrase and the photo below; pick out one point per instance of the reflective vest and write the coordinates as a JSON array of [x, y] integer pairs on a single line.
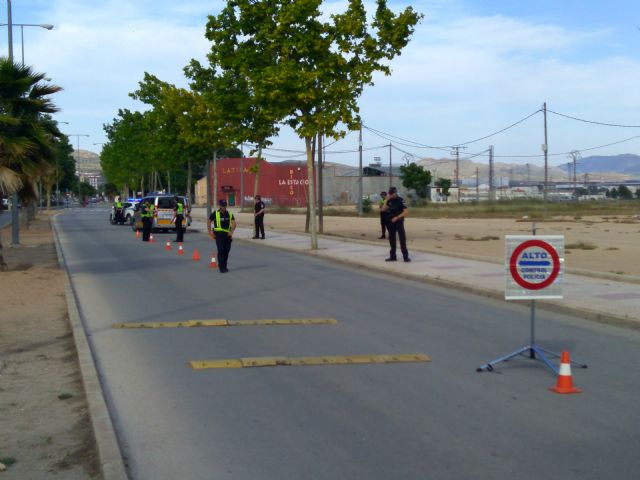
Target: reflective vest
[[382, 200], [217, 226], [147, 212], [118, 204], [179, 208]]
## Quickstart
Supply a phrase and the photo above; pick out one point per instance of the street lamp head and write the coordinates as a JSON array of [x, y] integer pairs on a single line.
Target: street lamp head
[[48, 26]]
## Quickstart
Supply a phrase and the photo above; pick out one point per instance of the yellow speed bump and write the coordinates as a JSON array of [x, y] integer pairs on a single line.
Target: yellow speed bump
[[250, 362], [229, 323]]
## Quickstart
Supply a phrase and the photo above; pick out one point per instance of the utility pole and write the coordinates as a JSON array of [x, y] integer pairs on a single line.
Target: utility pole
[[528, 173], [492, 191], [457, 154], [241, 178], [545, 149], [390, 168], [215, 178], [320, 184], [360, 173], [208, 188], [15, 215], [574, 155], [477, 185]]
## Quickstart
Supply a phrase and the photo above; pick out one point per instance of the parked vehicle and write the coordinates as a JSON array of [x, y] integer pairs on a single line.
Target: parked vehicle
[[164, 204]]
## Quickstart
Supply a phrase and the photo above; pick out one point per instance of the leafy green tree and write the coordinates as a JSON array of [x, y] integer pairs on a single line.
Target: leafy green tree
[[638, 193], [444, 184], [581, 191], [26, 137], [613, 193], [304, 69], [624, 193], [415, 177]]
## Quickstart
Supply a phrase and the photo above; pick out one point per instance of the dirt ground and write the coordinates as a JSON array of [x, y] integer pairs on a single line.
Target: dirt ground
[[597, 244], [45, 431]]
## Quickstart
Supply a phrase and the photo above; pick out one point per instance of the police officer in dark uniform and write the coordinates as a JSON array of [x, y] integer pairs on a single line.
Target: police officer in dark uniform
[[259, 217], [178, 218], [221, 225], [383, 226], [146, 213], [395, 211]]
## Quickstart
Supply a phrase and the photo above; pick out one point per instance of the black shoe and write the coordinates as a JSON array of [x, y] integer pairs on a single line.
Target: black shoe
[[382, 237], [407, 259], [254, 238], [262, 238], [391, 259], [224, 270]]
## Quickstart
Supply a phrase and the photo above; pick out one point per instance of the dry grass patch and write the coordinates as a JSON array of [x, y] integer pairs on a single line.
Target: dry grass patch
[[580, 246]]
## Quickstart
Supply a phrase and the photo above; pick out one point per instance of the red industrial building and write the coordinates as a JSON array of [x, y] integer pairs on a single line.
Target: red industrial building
[[283, 184]]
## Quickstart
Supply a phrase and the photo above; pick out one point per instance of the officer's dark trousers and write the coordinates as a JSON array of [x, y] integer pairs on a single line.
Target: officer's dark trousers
[[383, 223], [259, 226], [223, 242], [146, 229], [179, 229], [398, 227]]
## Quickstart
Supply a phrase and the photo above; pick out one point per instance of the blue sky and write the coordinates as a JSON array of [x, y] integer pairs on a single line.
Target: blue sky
[[472, 68]]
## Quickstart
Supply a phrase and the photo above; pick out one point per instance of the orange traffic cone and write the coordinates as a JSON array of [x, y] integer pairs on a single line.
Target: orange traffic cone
[[180, 249], [196, 255], [565, 380], [168, 245], [137, 233], [213, 263], [151, 239]]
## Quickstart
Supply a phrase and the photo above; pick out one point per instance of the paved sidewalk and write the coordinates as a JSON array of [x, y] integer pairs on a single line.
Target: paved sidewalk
[[607, 301]]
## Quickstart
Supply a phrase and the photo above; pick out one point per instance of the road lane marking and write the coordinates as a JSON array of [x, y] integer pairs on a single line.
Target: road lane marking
[[250, 362], [229, 323]]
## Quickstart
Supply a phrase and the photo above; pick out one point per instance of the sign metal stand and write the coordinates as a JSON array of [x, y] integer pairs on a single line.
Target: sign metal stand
[[534, 351]]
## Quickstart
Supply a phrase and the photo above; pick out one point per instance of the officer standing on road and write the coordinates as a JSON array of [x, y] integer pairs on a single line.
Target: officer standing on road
[[383, 197], [221, 225], [395, 211], [146, 213], [259, 208], [178, 218]]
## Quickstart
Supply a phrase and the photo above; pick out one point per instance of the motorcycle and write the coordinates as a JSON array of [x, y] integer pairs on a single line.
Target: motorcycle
[[117, 216]]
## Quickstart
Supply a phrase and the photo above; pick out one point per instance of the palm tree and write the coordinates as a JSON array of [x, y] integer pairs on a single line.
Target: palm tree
[[25, 136]]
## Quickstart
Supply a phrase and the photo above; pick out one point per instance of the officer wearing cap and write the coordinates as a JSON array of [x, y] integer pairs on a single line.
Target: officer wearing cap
[[221, 225], [178, 218], [259, 208], [395, 212], [146, 214], [383, 197]]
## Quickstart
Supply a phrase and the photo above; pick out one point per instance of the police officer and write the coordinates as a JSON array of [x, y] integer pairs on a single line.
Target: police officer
[[383, 197], [146, 213], [117, 210], [221, 225], [259, 208], [178, 218], [395, 213]]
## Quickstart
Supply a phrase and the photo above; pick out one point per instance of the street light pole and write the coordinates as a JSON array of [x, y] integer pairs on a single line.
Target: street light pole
[[47, 26], [78, 135], [15, 217]]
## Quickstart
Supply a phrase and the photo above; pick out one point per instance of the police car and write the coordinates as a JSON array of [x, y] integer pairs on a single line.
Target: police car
[[164, 204]]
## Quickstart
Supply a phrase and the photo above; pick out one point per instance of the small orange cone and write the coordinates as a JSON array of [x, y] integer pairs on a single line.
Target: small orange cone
[[565, 380], [213, 263], [137, 233], [151, 239], [196, 255], [168, 245], [180, 249]]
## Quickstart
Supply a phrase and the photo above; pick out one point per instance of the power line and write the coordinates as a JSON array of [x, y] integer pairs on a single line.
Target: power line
[[592, 121], [412, 143]]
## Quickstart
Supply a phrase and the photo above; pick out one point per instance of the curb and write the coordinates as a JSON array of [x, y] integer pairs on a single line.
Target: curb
[[598, 317], [110, 458]]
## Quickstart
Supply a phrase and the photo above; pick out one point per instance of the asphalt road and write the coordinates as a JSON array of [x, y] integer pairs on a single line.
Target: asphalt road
[[437, 420]]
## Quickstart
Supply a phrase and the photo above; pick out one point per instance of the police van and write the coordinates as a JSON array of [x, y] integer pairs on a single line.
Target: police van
[[163, 203]]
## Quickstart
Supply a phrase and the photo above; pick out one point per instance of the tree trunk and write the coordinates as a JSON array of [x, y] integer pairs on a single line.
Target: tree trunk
[[3, 266], [126, 191], [257, 177], [189, 175], [168, 181], [308, 216], [47, 189], [312, 196]]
